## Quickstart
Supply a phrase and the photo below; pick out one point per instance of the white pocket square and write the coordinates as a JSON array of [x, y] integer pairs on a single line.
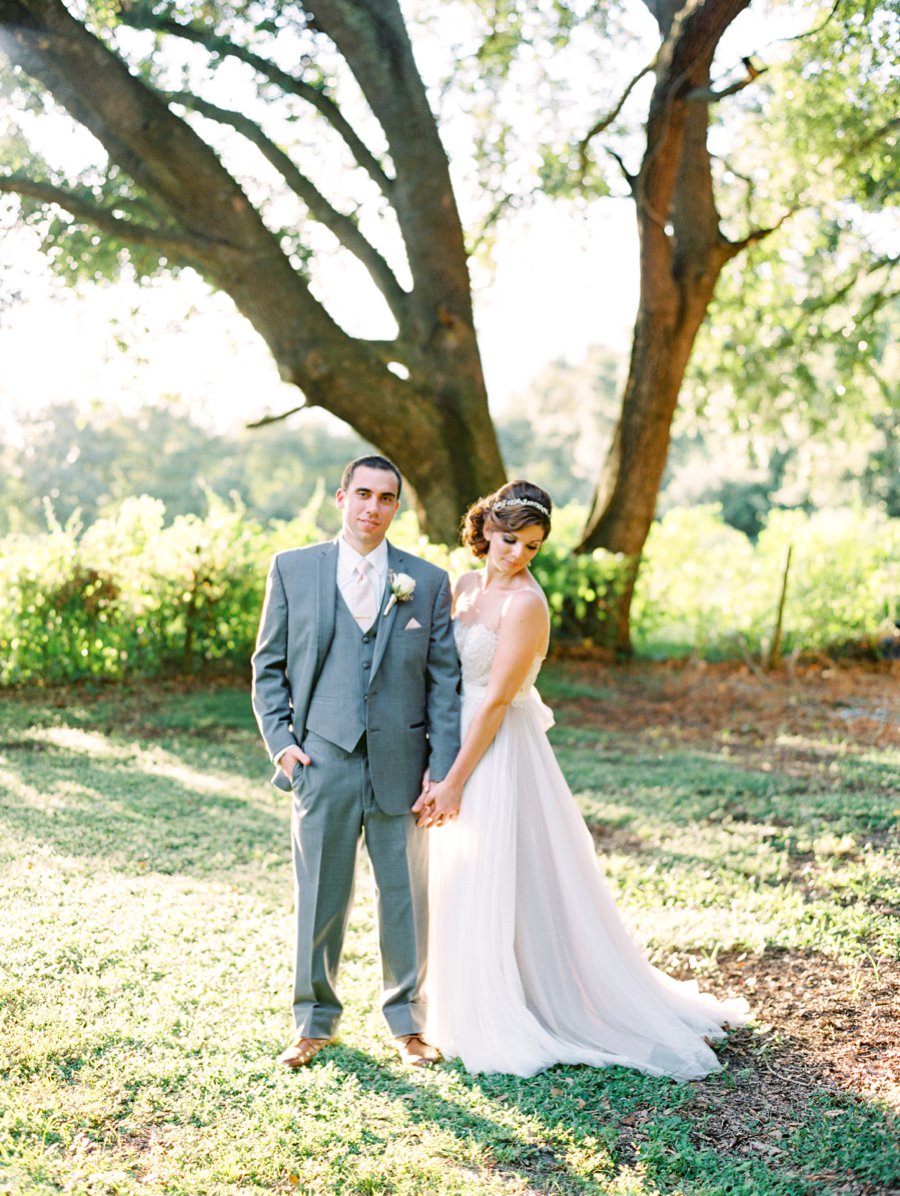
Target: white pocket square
[[412, 625]]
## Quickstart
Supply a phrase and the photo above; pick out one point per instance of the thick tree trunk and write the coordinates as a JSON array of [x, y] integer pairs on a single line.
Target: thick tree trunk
[[682, 252], [434, 423]]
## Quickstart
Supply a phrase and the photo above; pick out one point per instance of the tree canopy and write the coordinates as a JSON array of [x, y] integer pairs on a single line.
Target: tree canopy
[[223, 154]]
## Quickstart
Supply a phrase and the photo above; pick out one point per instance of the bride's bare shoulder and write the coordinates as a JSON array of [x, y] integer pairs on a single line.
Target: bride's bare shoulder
[[527, 603], [466, 582]]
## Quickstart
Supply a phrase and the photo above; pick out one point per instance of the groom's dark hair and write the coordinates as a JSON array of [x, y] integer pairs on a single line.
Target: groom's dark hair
[[372, 461]]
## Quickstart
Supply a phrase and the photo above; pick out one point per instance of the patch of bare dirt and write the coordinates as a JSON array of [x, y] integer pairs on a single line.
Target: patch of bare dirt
[[834, 1024], [802, 715], [829, 1029]]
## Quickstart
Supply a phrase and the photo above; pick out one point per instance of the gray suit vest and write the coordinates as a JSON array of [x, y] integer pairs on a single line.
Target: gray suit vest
[[337, 708]]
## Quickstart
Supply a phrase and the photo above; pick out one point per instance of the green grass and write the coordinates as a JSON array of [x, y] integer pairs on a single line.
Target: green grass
[[145, 938]]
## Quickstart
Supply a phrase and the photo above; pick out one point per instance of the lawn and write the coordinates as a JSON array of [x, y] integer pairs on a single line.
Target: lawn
[[746, 825]]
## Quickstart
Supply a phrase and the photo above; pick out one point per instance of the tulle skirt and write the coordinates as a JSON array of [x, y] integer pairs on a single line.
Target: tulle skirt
[[529, 963]]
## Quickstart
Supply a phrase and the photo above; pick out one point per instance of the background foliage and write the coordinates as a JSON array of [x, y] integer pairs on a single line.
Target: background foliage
[[131, 595], [89, 459]]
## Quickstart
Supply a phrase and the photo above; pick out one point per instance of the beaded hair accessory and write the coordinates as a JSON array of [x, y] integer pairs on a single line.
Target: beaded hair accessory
[[504, 503]]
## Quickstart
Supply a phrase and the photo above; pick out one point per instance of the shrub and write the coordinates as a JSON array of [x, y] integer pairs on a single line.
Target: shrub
[[844, 575], [698, 585], [132, 596], [703, 587]]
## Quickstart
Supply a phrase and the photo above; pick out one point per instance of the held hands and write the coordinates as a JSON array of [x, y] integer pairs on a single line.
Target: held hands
[[438, 803]]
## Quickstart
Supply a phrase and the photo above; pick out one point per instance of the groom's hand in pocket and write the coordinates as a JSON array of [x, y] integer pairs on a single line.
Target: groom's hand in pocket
[[290, 758]]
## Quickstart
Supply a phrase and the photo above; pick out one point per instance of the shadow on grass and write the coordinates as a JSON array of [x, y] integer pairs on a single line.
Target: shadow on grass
[[132, 709], [751, 1129], [130, 796], [486, 1142], [169, 814], [693, 788]]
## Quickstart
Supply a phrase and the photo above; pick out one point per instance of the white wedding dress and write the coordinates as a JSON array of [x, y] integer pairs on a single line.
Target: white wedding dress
[[529, 962]]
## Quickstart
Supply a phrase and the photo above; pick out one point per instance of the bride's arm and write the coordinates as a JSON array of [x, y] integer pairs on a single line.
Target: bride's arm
[[464, 583], [523, 636]]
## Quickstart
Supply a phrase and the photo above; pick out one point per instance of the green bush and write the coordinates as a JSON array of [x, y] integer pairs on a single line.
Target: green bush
[[705, 588], [580, 590], [698, 585], [132, 596], [844, 574]]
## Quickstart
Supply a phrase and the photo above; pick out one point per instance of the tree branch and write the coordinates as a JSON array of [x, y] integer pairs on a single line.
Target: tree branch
[[750, 184], [818, 28], [175, 244], [498, 210], [604, 122], [733, 248], [865, 142], [373, 39], [164, 156], [875, 301], [687, 52], [139, 17], [265, 420], [227, 237], [708, 95], [882, 298], [800, 330], [343, 227], [630, 179]]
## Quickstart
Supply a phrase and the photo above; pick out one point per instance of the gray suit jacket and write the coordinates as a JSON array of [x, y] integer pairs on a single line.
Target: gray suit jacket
[[413, 696]]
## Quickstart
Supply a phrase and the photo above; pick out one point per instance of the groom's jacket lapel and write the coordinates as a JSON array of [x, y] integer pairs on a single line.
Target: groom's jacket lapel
[[326, 595], [386, 622]]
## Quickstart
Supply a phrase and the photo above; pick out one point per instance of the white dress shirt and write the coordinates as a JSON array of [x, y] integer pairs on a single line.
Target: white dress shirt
[[349, 558]]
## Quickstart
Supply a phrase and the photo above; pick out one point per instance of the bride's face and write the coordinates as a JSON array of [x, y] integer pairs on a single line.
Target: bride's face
[[512, 552]]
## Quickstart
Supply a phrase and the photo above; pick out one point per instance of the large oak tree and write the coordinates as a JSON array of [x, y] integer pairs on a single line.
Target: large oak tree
[[172, 192], [825, 145]]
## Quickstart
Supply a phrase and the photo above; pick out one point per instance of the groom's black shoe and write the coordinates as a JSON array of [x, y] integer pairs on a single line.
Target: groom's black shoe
[[416, 1052]]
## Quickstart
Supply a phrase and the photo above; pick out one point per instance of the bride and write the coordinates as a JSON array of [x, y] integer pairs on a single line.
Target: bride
[[529, 962]]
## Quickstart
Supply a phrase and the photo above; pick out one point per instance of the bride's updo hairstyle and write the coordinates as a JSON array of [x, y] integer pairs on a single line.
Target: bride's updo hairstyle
[[514, 506]]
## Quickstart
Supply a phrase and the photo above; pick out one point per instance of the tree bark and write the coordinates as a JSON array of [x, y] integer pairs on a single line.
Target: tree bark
[[682, 252], [434, 423]]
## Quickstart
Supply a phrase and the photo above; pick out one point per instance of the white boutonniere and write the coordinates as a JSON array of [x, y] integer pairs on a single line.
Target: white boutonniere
[[401, 587]]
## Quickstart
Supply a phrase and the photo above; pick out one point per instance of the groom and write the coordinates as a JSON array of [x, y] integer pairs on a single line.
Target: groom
[[355, 689]]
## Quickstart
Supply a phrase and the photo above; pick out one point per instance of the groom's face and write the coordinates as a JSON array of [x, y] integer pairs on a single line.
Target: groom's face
[[367, 506]]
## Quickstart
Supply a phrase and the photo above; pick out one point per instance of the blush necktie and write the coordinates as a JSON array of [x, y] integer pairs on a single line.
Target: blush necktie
[[363, 603]]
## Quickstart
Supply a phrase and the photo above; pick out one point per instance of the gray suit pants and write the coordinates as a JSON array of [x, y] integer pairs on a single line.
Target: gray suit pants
[[333, 808]]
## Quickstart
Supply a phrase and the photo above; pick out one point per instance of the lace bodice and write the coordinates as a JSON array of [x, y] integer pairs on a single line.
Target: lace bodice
[[477, 646]]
